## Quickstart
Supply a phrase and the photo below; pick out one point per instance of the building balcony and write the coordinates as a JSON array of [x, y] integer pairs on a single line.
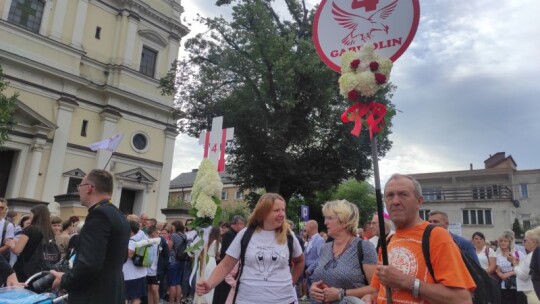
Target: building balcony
[[468, 194]]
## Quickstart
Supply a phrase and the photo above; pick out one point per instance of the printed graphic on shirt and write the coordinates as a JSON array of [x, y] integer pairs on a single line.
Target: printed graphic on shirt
[[268, 258]]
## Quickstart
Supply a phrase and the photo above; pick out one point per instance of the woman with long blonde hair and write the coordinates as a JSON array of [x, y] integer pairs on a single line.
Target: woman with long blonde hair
[[265, 276]]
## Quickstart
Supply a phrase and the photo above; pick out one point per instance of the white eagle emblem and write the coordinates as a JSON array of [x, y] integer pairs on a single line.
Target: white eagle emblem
[[361, 26]]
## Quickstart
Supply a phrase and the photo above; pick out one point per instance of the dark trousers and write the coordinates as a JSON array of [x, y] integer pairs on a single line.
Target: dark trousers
[[509, 296], [188, 290]]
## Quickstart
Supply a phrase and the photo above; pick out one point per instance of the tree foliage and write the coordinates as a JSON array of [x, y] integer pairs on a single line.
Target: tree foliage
[[360, 193], [7, 110], [261, 72], [240, 208]]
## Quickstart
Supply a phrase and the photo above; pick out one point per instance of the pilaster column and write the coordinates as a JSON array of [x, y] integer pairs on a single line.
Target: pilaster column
[[165, 178], [58, 21], [129, 47], [33, 168], [45, 18], [109, 120], [5, 9], [66, 106], [174, 47], [80, 21]]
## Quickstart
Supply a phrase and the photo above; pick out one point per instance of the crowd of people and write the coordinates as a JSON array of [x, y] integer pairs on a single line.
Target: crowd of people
[[261, 259]]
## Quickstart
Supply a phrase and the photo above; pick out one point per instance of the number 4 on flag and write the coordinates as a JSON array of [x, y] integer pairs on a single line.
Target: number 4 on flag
[[215, 142]]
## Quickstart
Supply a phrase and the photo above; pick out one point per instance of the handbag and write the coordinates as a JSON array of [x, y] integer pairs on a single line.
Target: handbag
[[510, 282]]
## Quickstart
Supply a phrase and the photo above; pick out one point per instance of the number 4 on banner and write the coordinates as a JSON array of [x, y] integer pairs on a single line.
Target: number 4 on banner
[[215, 142], [368, 5]]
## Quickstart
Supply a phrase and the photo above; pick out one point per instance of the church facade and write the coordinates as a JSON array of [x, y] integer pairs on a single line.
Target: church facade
[[86, 70]]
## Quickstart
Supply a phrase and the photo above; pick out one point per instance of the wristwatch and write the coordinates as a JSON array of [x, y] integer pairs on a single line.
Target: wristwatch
[[416, 288]]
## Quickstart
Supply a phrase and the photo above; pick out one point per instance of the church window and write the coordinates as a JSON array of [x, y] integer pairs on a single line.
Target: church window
[[148, 61], [140, 141], [27, 13]]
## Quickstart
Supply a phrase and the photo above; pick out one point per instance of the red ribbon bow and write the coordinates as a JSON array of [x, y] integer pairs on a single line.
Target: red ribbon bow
[[374, 113]]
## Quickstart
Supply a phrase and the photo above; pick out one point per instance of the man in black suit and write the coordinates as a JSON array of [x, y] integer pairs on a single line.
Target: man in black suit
[[222, 289], [96, 276]]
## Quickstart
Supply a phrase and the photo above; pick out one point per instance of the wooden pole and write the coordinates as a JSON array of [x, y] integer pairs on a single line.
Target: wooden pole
[[203, 268]]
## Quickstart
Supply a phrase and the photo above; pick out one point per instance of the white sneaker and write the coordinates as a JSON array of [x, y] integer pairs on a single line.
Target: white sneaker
[[304, 298]]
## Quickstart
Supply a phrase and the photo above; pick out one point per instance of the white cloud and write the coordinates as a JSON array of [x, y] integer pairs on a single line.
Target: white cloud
[[188, 154]]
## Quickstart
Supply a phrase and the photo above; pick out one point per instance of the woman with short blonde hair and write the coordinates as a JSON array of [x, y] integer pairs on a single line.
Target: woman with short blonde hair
[[339, 272]]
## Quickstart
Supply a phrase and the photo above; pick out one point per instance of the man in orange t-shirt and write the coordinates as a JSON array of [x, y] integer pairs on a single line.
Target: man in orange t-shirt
[[407, 274]]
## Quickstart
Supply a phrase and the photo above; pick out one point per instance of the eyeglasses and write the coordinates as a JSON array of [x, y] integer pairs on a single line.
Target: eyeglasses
[[80, 185]]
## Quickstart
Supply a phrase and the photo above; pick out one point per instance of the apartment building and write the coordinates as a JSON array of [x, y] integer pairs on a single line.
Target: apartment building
[[486, 200]]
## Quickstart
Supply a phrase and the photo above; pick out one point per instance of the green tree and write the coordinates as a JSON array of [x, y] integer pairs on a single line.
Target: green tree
[[240, 208], [7, 110], [262, 73], [362, 194]]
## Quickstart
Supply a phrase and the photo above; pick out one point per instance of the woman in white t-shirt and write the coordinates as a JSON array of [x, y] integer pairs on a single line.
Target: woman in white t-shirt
[[266, 276], [486, 256]]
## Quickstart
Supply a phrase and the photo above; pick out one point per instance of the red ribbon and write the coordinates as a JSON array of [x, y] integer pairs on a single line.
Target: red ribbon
[[374, 113]]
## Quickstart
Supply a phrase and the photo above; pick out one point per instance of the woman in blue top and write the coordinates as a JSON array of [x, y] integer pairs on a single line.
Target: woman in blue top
[[339, 275]]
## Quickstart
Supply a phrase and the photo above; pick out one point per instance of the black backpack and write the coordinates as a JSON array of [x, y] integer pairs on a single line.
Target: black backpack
[[180, 249], [45, 257], [487, 290], [243, 247]]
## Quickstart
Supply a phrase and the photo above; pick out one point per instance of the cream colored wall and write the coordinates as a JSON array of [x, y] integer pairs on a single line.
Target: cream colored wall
[[47, 54], [160, 6], [45, 106], [100, 49], [155, 137], [69, 21], [93, 131], [84, 161]]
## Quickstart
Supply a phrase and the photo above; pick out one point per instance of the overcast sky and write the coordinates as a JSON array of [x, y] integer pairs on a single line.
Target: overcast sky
[[467, 87]]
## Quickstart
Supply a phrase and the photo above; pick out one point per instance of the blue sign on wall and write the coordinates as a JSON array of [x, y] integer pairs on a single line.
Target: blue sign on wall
[[304, 213]]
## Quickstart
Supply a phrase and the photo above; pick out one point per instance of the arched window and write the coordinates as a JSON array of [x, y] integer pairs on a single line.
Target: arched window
[[27, 13]]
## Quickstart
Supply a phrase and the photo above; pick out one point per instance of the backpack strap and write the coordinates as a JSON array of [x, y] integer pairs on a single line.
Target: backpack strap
[[290, 246], [243, 247], [360, 252], [425, 250]]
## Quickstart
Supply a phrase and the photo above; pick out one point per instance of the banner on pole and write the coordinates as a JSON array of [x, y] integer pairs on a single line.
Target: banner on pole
[[345, 25]]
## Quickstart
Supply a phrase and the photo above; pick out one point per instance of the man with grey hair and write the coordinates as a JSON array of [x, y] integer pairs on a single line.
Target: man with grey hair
[[407, 276], [222, 289]]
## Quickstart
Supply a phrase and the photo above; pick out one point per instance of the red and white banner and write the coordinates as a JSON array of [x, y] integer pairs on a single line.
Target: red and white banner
[[347, 25]]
